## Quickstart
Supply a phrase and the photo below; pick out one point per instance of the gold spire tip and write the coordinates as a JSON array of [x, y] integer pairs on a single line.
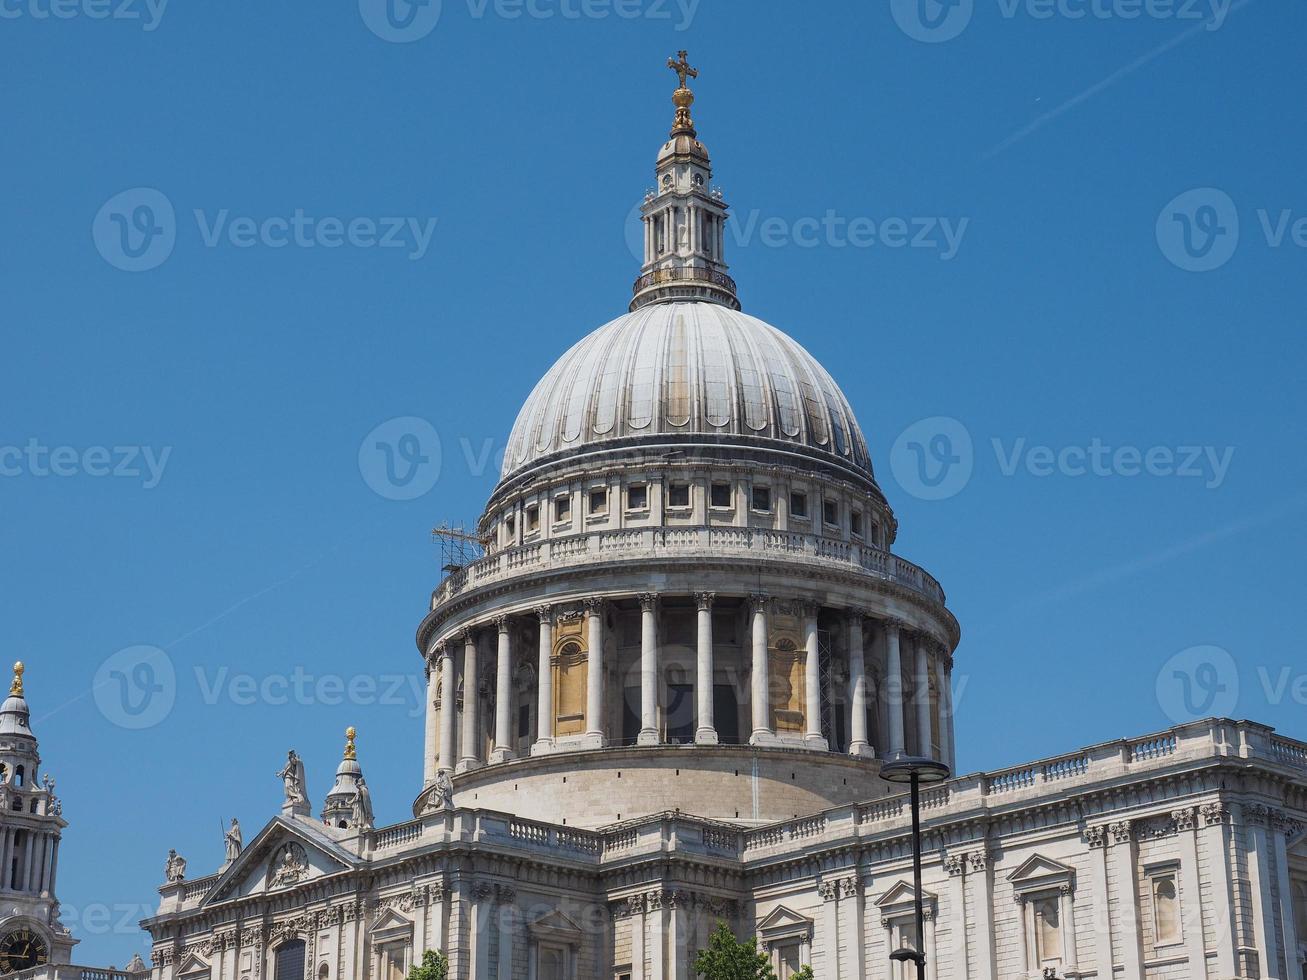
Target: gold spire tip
[[16, 689], [351, 734], [683, 98]]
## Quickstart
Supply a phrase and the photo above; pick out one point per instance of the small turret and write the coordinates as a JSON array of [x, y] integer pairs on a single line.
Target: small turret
[[337, 808]]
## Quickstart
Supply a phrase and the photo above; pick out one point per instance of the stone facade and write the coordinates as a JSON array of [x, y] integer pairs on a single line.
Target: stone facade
[[662, 696]]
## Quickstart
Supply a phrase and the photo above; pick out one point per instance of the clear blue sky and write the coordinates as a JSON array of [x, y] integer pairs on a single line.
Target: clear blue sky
[[1063, 317]]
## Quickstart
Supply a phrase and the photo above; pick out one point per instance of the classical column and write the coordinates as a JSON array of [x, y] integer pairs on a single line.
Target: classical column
[[503, 750], [1261, 872], [432, 731], [1122, 861], [894, 685], [945, 708], [859, 744], [812, 736], [706, 733], [1216, 835], [648, 670], [760, 682], [1195, 945], [470, 757], [924, 734], [448, 707], [594, 684], [6, 856], [545, 683]]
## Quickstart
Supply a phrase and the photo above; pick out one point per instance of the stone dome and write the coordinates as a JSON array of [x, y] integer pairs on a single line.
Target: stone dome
[[680, 374]]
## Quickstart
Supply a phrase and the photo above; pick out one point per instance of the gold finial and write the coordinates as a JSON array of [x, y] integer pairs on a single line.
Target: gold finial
[[16, 689], [683, 98], [350, 753]]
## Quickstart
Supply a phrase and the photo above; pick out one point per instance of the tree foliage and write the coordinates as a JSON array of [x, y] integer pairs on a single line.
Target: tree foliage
[[434, 966], [727, 958]]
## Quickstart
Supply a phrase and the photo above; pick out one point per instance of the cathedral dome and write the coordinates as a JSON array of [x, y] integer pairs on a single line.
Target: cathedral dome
[[681, 374]]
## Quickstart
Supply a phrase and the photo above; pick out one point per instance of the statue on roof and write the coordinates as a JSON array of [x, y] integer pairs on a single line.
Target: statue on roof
[[292, 777]]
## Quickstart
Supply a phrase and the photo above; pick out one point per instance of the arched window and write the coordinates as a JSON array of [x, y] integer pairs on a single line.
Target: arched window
[[324, 972], [289, 963], [18, 776], [1166, 910]]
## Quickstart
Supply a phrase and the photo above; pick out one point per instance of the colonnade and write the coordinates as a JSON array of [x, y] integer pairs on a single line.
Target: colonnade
[[906, 651], [29, 860]]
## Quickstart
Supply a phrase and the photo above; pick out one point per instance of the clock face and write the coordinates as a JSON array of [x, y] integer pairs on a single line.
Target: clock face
[[22, 949]]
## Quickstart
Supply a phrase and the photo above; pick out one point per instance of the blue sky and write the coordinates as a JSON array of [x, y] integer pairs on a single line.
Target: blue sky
[[1092, 307]]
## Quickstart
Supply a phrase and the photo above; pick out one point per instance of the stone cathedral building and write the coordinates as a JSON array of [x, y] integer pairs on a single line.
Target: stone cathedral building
[[661, 698]]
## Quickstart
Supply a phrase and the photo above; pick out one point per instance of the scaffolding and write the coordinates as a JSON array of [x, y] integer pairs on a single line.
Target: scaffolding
[[459, 547]]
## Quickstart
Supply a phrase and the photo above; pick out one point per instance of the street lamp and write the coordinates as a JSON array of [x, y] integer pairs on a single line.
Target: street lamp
[[915, 771]]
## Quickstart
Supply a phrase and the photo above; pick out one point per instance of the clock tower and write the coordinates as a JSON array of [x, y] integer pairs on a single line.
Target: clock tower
[[31, 825]]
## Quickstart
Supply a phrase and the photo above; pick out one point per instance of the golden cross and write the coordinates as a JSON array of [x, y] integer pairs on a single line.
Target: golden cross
[[682, 67]]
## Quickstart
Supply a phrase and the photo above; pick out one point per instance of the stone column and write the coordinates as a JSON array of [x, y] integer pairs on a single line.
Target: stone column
[[503, 750], [952, 743], [594, 683], [448, 708], [812, 736], [894, 685], [506, 915], [6, 856], [851, 915], [1216, 834], [25, 873], [1186, 826], [760, 681], [545, 683], [982, 875], [859, 744], [470, 749], [955, 865], [648, 670], [1121, 874], [945, 708], [706, 732], [925, 737], [429, 760], [827, 927], [1261, 865]]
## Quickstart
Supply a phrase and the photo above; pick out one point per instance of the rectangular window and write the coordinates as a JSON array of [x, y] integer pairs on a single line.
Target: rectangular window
[[678, 495], [510, 525], [798, 504], [598, 501], [855, 522], [562, 508], [532, 518], [762, 499], [830, 512], [637, 497], [721, 495], [1048, 931]]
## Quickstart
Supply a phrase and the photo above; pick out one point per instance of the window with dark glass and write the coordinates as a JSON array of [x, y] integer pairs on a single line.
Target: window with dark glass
[[762, 499], [637, 497], [855, 522], [830, 512], [562, 508], [598, 501], [798, 504], [678, 495], [721, 495]]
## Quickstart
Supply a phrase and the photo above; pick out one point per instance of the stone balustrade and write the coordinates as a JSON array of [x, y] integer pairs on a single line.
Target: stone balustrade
[[746, 544], [69, 971]]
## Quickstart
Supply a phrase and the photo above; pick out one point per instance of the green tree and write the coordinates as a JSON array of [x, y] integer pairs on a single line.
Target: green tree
[[804, 974], [434, 966], [727, 958]]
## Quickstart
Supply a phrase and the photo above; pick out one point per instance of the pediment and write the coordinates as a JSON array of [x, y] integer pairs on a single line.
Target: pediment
[[390, 925], [783, 921], [903, 893], [285, 854], [1039, 872], [192, 966], [555, 925]]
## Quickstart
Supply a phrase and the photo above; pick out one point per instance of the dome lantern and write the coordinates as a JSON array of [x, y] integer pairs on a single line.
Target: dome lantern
[[684, 216]]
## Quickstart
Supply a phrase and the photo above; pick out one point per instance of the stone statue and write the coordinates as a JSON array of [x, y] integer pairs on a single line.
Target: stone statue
[[175, 869], [361, 804], [444, 796], [234, 841], [290, 866], [292, 776]]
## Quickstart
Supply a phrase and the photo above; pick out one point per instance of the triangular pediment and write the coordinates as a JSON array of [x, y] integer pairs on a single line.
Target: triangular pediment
[[1041, 867], [903, 894], [557, 926], [192, 965], [782, 920], [286, 853], [388, 918]]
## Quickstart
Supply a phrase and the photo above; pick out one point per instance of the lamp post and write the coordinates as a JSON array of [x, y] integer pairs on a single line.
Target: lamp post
[[915, 771]]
